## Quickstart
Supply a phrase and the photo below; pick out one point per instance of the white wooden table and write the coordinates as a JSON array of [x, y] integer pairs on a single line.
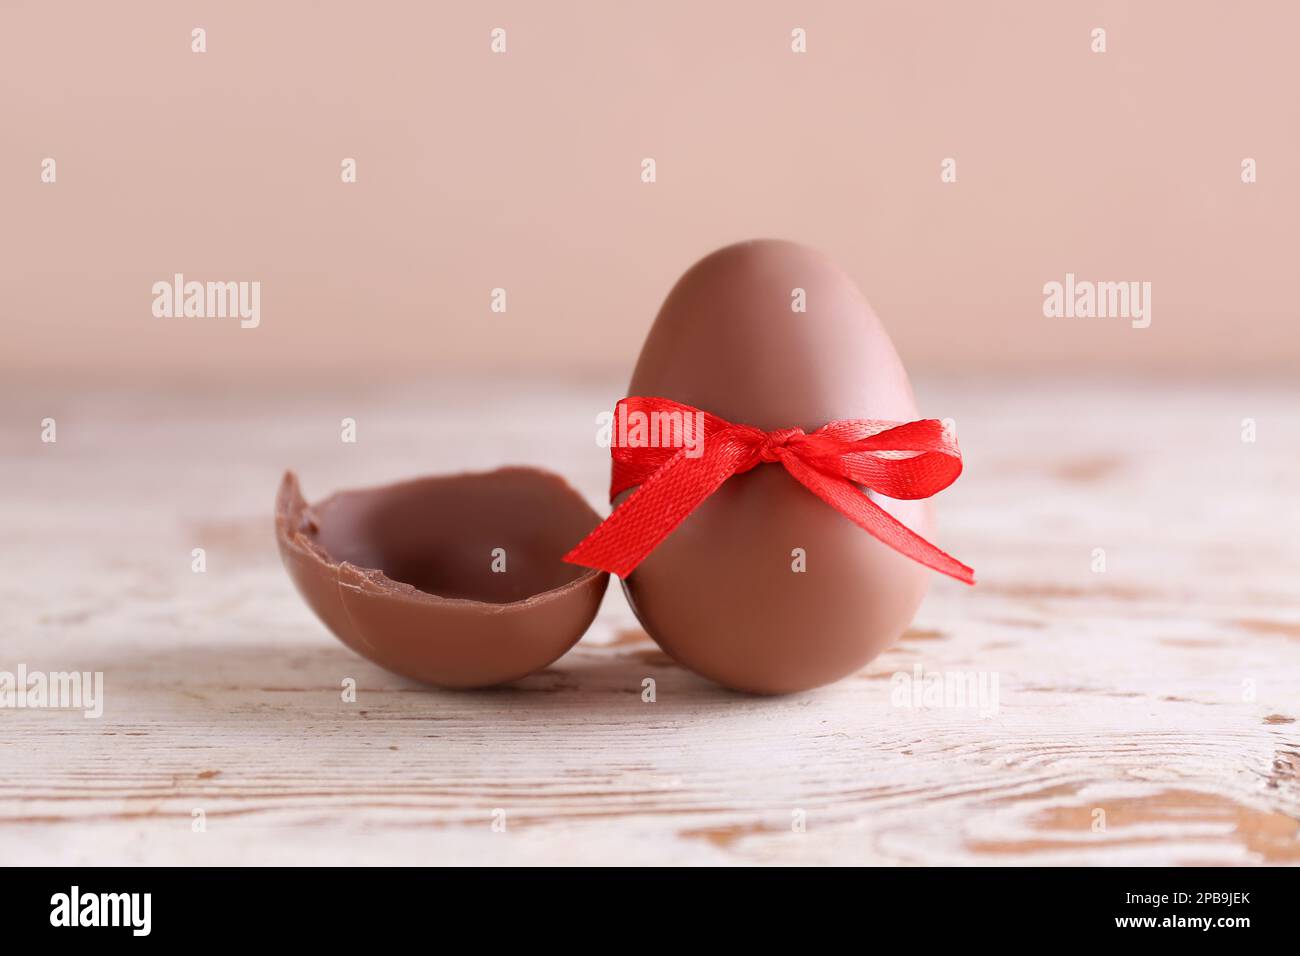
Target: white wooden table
[[1146, 714]]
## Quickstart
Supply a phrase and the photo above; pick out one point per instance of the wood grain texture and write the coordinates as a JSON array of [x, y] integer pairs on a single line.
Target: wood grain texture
[[1163, 693]]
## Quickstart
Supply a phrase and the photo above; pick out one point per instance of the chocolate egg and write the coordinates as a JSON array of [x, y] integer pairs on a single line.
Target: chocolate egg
[[764, 587], [455, 581]]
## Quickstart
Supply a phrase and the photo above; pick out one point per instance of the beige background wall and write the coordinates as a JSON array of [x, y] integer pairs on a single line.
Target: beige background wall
[[522, 170]]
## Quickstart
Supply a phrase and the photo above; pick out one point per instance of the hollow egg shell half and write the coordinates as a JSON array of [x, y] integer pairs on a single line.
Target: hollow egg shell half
[[723, 594], [452, 580]]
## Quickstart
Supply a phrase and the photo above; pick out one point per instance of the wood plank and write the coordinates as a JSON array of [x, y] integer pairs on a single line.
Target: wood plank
[[1163, 692]]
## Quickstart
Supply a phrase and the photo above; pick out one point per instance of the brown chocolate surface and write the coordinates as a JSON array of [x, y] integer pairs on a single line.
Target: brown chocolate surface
[[403, 574], [719, 594]]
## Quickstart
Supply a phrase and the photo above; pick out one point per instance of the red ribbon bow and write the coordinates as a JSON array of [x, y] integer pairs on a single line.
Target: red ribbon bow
[[911, 460]]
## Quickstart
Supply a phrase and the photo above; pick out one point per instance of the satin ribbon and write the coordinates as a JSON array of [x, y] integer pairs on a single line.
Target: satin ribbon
[[909, 460]]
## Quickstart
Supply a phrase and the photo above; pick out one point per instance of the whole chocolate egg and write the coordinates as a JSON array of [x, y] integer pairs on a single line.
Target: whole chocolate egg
[[765, 588]]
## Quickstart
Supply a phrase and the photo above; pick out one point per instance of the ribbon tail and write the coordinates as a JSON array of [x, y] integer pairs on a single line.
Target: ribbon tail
[[656, 508], [845, 497]]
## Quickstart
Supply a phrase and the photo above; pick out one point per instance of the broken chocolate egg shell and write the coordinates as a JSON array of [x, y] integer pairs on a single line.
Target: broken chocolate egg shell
[[456, 581]]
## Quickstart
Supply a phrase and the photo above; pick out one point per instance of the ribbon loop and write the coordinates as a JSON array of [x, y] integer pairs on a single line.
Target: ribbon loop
[[908, 460]]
